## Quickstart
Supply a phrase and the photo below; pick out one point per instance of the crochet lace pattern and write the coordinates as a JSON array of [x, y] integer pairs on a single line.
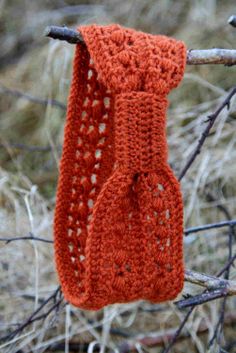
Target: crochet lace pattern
[[118, 224]]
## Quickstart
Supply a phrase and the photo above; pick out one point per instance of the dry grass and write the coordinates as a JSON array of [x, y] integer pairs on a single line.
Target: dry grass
[[42, 68]]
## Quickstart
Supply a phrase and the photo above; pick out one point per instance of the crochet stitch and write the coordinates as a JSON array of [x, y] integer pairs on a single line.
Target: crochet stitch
[[118, 223]]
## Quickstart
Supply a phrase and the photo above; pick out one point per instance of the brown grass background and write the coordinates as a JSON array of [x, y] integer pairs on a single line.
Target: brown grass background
[[33, 64]]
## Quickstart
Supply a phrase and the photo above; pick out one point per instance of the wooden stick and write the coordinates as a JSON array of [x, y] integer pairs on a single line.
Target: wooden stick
[[194, 57], [210, 282]]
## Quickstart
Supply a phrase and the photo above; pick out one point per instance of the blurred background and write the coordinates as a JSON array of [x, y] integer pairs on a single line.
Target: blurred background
[[35, 74]]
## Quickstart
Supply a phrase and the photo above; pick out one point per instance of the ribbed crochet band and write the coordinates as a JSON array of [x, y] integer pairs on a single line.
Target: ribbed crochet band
[[140, 141], [118, 224]]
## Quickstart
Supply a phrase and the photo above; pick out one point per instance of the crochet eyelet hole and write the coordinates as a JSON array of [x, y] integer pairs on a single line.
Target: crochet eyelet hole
[[105, 116], [71, 247], [128, 268], [80, 142], [168, 242], [86, 101], [160, 187], [106, 101], [98, 153], [173, 74], [120, 273], [69, 232], [82, 127], [93, 178], [163, 69], [81, 258], [161, 247], [90, 73], [90, 203], [95, 102], [167, 214], [77, 154], [91, 128], [102, 127], [169, 268], [92, 192], [101, 141]]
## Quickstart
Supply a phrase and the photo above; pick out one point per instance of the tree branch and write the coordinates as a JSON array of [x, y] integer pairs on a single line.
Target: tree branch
[[210, 120], [209, 226], [33, 317], [232, 21], [28, 237], [29, 97], [210, 282], [194, 57]]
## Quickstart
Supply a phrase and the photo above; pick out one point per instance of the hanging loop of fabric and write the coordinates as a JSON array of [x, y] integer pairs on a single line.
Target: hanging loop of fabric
[[118, 222]]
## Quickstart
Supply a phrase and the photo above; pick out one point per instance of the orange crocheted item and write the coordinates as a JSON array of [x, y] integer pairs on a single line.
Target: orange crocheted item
[[119, 214]]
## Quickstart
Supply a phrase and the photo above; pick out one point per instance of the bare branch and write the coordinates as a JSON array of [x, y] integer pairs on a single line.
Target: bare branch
[[186, 232], [232, 21], [219, 329], [211, 56], [45, 102], [155, 339], [29, 148], [189, 312], [63, 33], [201, 298], [194, 57], [209, 226], [210, 120], [29, 237], [33, 317], [210, 282]]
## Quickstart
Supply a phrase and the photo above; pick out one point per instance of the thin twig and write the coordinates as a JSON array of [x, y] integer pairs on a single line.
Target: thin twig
[[45, 102], [211, 120], [189, 312], [209, 226], [33, 317], [187, 231], [202, 298], [194, 57], [154, 339], [232, 21], [29, 237], [29, 148], [218, 332]]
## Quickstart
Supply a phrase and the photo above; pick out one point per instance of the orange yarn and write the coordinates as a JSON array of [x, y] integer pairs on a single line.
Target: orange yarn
[[119, 214]]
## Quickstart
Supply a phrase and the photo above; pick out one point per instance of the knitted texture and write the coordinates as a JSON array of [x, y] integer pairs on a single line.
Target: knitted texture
[[118, 223]]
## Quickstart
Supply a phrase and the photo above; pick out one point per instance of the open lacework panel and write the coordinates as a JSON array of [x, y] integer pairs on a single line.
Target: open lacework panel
[[92, 165]]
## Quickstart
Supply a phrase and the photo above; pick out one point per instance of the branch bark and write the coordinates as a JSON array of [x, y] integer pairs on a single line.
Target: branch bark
[[210, 282], [194, 57]]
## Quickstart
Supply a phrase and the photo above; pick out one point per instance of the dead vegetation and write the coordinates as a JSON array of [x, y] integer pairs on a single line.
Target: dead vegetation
[[34, 81]]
